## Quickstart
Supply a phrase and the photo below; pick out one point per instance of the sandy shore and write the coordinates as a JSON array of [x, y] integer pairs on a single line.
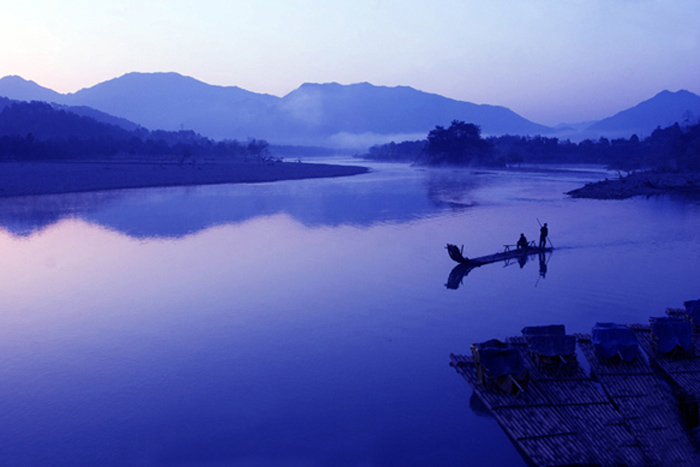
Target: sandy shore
[[36, 178], [640, 184]]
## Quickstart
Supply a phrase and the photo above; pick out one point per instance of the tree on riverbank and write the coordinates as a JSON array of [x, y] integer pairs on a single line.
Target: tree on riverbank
[[459, 144]]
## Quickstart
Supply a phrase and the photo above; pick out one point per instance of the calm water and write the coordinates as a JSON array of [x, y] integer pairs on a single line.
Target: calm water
[[302, 323]]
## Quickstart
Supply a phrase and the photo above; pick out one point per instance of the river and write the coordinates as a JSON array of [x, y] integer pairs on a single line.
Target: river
[[303, 323]]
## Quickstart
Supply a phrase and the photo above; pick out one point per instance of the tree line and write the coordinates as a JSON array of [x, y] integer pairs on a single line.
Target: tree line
[[38, 131], [675, 148]]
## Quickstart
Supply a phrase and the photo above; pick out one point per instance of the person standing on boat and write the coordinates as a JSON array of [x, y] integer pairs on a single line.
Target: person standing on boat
[[522, 242], [543, 236]]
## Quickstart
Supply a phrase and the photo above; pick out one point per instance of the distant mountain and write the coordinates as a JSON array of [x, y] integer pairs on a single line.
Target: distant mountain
[[17, 88], [312, 114], [163, 101], [329, 109], [169, 101], [579, 126], [662, 110], [331, 114]]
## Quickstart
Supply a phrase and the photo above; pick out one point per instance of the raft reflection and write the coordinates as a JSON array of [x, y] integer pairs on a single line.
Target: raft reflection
[[459, 272]]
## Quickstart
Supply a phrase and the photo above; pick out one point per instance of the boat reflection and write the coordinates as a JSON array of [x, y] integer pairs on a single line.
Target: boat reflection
[[459, 272], [457, 275]]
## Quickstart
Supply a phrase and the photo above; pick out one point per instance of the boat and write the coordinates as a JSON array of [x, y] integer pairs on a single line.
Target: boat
[[509, 252]]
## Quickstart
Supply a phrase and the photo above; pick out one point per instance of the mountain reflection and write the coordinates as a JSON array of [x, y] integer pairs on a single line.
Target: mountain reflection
[[178, 211]]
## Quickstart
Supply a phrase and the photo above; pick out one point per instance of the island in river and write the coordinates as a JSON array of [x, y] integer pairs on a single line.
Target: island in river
[[37, 178], [647, 183]]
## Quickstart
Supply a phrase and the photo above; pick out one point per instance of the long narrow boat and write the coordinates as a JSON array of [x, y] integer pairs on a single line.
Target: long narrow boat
[[508, 253]]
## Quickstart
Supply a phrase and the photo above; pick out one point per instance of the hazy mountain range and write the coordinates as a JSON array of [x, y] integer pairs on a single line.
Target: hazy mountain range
[[664, 109], [330, 114]]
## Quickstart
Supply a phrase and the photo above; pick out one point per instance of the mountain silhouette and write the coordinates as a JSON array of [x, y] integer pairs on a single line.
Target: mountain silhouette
[[329, 114], [17, 88], [662, 110], [169, 101], [311, 114], [364, 108]]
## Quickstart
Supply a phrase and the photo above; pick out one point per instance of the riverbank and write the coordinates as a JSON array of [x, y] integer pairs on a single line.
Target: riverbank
[[640, 184], [38, 178]]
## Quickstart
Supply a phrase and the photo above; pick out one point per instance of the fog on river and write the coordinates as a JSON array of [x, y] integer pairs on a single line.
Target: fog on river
[[303, 322]]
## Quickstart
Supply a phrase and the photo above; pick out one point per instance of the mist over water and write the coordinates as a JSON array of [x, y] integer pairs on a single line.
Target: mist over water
[[303, 322]]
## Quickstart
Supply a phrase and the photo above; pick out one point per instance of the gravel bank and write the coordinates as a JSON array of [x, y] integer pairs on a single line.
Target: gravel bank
[[640, 184], [35, 178]]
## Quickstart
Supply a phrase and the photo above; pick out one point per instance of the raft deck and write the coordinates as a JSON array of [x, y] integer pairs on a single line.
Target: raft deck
[[650, 411], [565, 418], [682, 374]]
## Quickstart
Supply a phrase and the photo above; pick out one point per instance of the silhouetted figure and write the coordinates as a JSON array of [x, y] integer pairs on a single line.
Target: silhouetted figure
[[543, 265], [522, 242], [543, 235]]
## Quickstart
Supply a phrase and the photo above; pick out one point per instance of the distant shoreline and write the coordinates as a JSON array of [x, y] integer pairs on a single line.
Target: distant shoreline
[[41, 178], [641, 184]]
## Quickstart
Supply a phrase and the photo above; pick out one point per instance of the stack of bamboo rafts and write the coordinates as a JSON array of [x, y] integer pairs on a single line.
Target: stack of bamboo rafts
[[620, 413]]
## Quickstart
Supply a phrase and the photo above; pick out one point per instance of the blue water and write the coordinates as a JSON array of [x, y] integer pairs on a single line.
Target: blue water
[[302, 323]]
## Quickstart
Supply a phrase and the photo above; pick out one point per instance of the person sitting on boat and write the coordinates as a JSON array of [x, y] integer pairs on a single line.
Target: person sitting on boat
[[522, 242], [543, 236]]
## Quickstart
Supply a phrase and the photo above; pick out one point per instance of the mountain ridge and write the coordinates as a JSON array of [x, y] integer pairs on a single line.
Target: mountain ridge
[[314, 113], [662, 110], [330, 114], [17, 88]]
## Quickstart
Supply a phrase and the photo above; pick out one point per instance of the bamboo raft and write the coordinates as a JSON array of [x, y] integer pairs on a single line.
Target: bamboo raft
[[508, 252], [650, 411], [619, 415], [681, 374]]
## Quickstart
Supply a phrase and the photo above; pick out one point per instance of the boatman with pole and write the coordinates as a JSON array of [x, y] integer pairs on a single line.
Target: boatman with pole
[[543, 236]]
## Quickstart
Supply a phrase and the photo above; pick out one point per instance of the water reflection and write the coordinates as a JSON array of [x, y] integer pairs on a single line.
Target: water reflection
[[331, 334], [478, 407], [461, 271], [26, 214], [453, 187], [457, 275], [397, 194], [543, 264], [389, 193], [522, 261]]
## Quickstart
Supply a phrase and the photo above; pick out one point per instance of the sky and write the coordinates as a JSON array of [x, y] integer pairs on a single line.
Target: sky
[[551, 61]]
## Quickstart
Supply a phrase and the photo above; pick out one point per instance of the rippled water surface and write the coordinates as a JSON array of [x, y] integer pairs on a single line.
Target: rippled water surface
[[303, 323]]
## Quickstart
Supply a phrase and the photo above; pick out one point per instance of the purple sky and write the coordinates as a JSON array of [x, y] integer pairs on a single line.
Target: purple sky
[[551, 61]]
